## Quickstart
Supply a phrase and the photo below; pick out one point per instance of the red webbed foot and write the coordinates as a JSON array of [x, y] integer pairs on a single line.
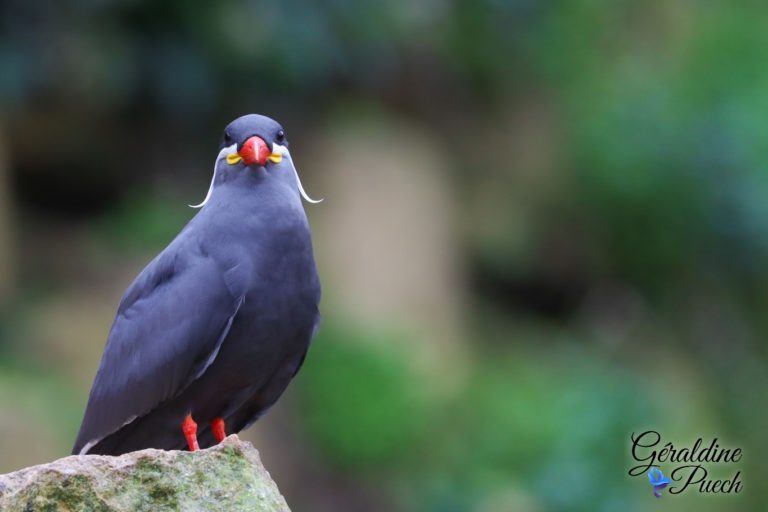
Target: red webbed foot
[[189, 427], [217, 426]]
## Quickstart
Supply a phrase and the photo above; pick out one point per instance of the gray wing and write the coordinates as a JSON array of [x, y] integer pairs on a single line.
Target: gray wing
[[169, 327]]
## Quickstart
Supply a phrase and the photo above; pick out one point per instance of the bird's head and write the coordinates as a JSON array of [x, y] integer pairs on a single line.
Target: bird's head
[[255, 141]]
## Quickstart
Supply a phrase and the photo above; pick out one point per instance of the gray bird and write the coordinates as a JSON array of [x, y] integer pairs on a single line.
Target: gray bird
[[211, 332]]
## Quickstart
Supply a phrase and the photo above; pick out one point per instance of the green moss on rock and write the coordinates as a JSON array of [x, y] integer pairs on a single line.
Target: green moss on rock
[[229, 477]]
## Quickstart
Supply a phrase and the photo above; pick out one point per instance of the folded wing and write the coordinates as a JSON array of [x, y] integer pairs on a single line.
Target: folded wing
[[169, 327]]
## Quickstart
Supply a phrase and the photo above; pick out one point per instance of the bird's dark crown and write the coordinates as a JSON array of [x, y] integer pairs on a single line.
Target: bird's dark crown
[[242, 128]]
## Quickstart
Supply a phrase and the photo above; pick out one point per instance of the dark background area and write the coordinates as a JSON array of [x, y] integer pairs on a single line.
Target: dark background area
[[545, 227]]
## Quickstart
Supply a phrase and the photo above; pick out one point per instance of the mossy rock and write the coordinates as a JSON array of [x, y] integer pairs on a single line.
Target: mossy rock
[[229, 477]]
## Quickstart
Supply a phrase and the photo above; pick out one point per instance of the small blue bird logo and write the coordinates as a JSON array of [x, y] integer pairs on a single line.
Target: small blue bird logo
[[658, 481]]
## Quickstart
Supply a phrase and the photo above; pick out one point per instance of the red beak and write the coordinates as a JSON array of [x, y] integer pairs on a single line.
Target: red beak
[[254, 151]]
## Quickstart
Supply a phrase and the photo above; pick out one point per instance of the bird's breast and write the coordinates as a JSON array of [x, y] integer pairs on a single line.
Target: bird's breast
[[280, 309]]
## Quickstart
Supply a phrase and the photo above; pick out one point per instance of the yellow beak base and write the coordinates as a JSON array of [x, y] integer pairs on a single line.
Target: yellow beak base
[[234, 158]]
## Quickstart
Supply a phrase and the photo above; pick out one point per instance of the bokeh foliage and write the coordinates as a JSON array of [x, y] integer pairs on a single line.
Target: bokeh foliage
[[610, 164]]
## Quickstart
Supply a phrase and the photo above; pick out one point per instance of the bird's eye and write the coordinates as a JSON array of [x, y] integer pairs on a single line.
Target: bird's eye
[[227, 138], [280, 136]]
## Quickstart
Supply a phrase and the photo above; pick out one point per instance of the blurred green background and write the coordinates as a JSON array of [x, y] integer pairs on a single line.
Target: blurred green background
[[545, 227]]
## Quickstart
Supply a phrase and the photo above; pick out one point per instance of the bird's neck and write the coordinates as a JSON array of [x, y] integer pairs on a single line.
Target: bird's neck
[[256, 193]]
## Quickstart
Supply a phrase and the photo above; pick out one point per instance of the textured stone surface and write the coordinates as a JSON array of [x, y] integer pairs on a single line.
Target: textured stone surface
[[229, 477]]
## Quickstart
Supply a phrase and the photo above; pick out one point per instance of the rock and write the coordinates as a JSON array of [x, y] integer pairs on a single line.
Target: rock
[[228, 477]]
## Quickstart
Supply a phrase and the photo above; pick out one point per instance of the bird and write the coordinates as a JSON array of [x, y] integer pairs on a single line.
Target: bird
[[209, 335]]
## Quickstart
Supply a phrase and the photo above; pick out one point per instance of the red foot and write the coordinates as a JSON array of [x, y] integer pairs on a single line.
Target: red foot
[[189, 427], [217, 425]]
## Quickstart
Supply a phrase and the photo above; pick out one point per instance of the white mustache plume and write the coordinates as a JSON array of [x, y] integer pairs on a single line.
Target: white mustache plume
[[276, 148], [222, 154]]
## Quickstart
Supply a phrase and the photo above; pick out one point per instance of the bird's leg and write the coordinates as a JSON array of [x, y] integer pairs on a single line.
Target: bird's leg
[[189, 427], [217, 426]]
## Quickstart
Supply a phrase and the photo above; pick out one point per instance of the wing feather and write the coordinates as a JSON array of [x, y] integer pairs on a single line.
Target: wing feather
[[169, 327]]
